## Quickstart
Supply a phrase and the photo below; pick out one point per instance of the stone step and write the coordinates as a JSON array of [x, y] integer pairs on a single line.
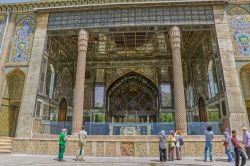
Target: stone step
[[5, 147], [5, 150], [6, 140], [4, 137], [5, 144]]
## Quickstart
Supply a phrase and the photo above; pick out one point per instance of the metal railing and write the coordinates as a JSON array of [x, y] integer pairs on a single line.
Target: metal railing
[[137, 128]]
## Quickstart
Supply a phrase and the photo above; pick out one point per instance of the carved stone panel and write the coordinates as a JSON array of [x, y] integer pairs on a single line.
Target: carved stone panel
[[100, 149], [127, 149], [141, 149], [110, 149], [154, 149]]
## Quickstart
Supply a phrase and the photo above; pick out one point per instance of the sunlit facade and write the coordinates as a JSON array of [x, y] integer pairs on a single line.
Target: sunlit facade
[[123, 68]]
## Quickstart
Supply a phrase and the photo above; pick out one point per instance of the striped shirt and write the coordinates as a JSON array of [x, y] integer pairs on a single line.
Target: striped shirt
[[235, 142]]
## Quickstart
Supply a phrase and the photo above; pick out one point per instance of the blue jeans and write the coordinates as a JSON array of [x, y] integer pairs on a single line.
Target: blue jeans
[[208, 145], [229, 155]]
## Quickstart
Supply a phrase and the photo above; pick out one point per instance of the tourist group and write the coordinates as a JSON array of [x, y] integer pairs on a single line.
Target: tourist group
[[168, 144]]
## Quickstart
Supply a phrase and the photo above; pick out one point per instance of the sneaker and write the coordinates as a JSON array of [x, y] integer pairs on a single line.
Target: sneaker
[[205, 160]]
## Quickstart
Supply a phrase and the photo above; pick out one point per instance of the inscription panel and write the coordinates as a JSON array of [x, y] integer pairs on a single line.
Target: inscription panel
[[153, 16]]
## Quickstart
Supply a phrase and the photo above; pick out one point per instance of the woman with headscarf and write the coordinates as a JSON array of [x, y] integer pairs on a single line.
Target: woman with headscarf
[[171, 145], [228, 145], [162, 146]]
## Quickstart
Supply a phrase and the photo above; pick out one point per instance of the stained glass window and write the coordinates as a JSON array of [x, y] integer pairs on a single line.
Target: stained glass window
[[87, 97], [212, 81], [166, 95], [38, 108], [99, 96]]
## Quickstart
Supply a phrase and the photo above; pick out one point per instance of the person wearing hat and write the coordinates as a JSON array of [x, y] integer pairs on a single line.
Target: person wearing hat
[[246, 141], [209, 136], [63, 138], [82, 139]]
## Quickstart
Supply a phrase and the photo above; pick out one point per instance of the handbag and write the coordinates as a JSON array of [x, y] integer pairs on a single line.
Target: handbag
[[225, 143]]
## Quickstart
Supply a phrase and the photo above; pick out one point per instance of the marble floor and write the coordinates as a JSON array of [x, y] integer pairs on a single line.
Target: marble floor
[[46, 160]]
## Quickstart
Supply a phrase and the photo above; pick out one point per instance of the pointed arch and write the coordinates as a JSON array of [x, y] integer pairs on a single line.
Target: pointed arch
[[11, 102], [133, 95], [245, 85], [62, 112]]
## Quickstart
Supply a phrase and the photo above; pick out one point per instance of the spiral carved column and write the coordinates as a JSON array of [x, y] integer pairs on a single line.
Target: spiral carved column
[[179, 96], [80, 81]]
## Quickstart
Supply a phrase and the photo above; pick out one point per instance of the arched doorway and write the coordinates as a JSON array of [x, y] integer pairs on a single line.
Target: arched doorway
[[62, 112], [133, 98], [11, 103], [245, 83], [202, 110]]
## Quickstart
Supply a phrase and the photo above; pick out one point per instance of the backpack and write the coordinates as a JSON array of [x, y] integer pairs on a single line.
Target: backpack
[[181, 141]]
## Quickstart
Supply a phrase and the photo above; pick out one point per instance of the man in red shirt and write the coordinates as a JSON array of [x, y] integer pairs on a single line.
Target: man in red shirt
[[238, 150]]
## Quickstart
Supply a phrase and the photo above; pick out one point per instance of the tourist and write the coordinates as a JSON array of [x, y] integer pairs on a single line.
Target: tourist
[[171, 145], [63, 139], [246, 141], [209, 135], [238, 150], [228, 145], [82, 137], [162, 146], [179, 143]]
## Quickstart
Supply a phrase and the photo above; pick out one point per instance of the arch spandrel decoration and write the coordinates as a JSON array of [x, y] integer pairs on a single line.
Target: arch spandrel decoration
[[2, 27], [133, 94], [23, 38], [240, 29]]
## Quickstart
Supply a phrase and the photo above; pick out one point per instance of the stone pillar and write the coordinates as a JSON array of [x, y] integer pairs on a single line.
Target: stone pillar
[[234, 97], [25, 118], [6, 50], [179, 96], [80, 80]]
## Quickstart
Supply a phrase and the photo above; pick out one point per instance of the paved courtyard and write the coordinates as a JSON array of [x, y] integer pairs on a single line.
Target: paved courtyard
[[45, 160]]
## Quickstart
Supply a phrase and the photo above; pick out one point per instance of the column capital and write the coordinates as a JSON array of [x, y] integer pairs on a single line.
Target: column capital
[[175, 37], [83, 34], [83, 38]]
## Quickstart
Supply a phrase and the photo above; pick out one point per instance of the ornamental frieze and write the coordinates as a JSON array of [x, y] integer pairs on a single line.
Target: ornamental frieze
[[30, 5]]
